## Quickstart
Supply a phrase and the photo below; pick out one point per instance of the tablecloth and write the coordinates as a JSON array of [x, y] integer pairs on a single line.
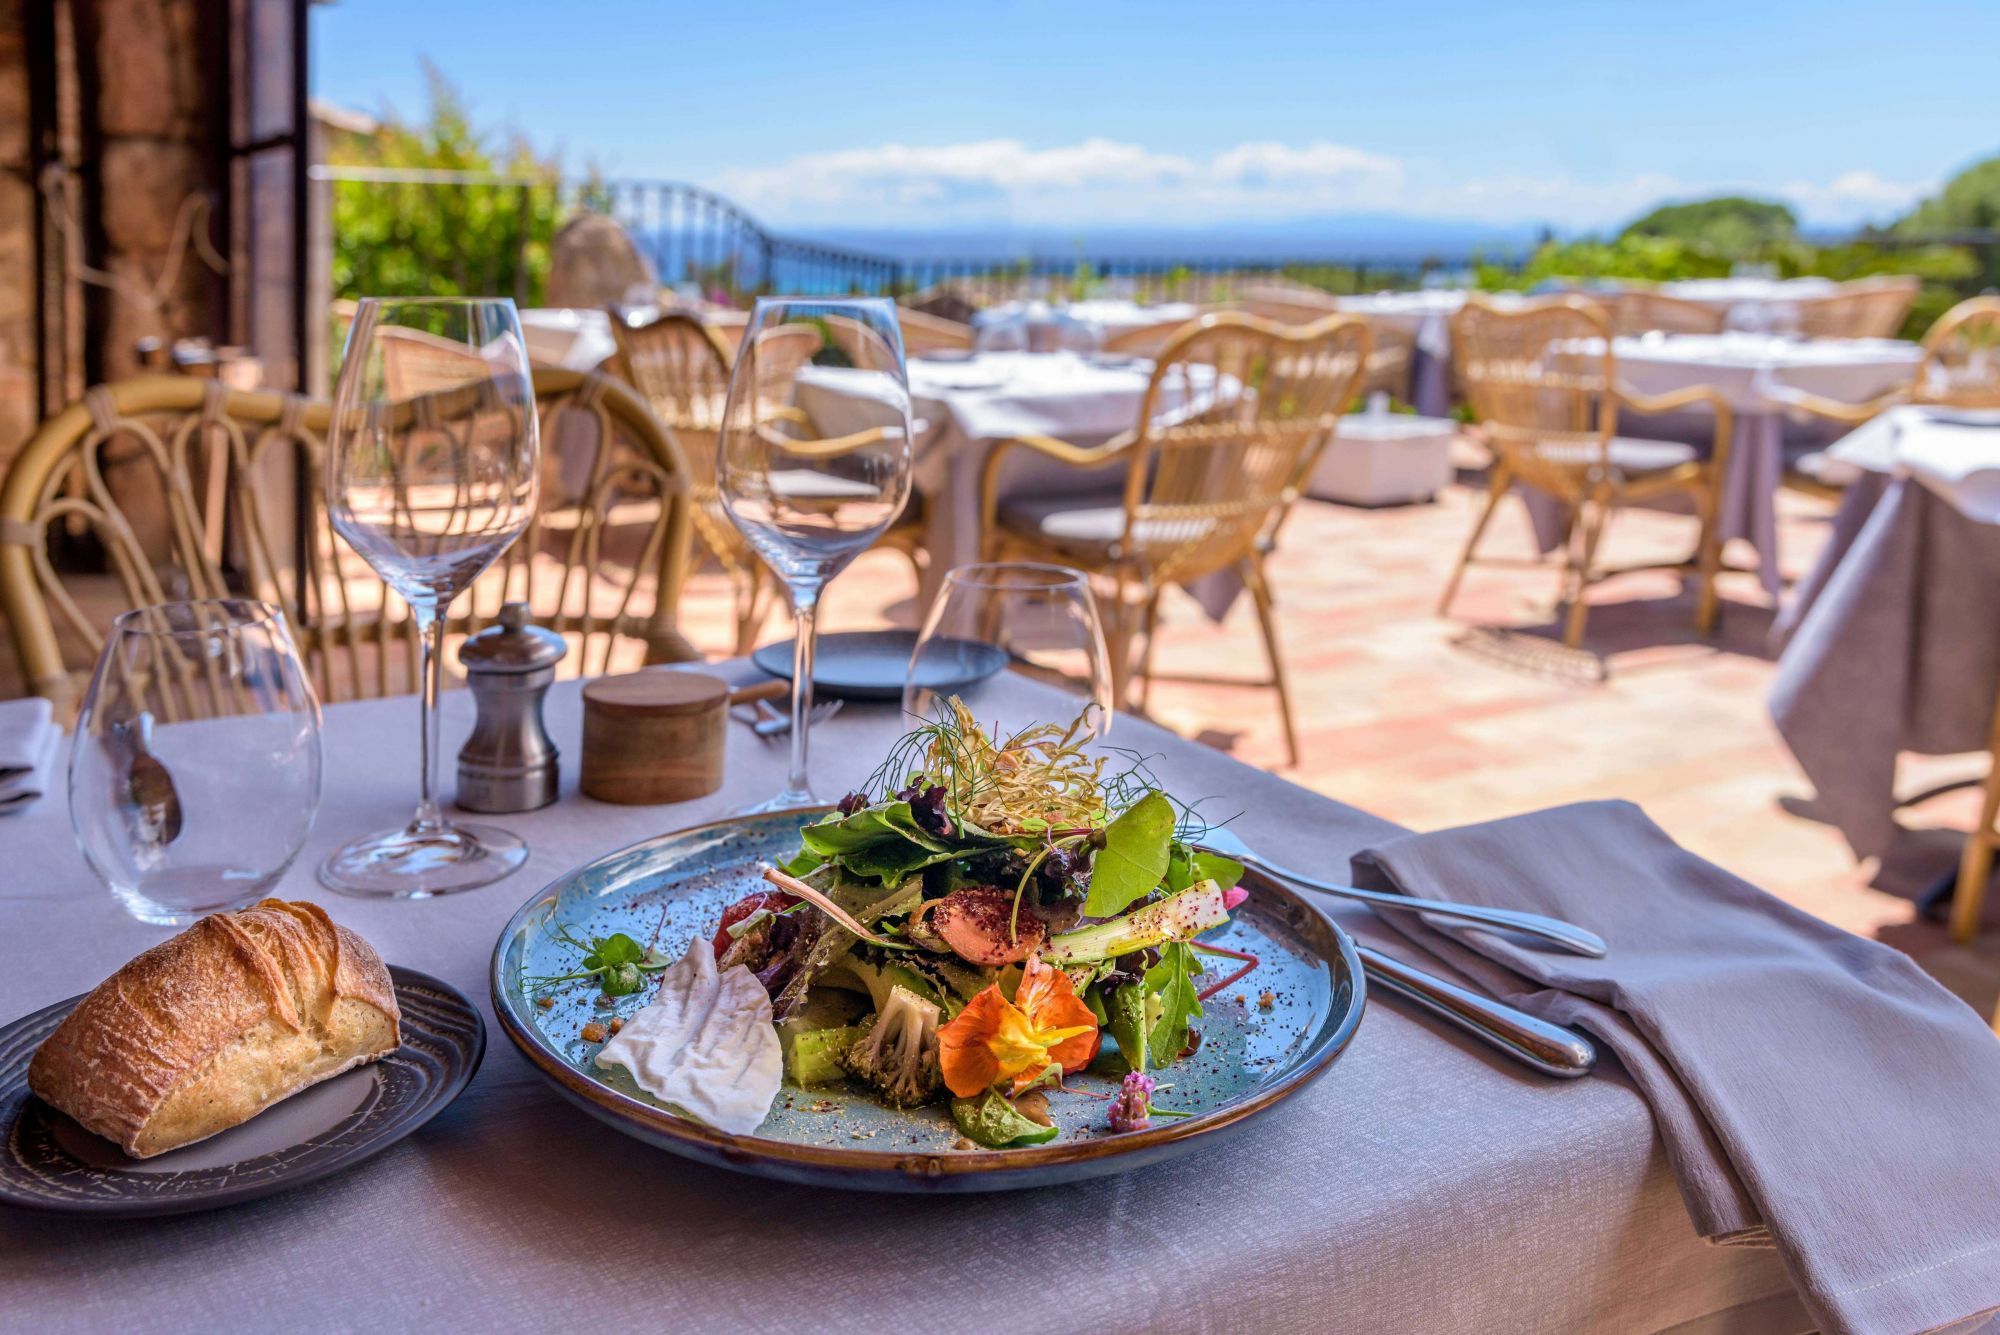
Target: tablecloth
[[1752, 303], [1075, 326], [1892, 643], [576, 340], [1424, 1184], [1753, 372]]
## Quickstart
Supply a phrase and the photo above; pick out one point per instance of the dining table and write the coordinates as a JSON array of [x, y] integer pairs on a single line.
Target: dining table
[[1760, 376], [1074, 326], [1423, 1183], [1892, 642], [1748, 301], [575, 339]]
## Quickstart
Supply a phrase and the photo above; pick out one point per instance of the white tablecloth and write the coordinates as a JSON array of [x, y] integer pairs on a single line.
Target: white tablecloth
[[1424, 1184], [1753, 372], [1953, 451], [1752, 302], [1076, 326], [576, 340]]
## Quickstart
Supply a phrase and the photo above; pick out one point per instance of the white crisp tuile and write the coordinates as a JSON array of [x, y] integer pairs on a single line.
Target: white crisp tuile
[[706, 1043]]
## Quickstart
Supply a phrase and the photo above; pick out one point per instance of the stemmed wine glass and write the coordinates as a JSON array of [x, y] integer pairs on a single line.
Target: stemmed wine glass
[[1038, 620], [813, 460], [431, 474]]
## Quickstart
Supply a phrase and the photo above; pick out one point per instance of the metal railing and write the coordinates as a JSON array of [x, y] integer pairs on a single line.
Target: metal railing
[[402, 229]]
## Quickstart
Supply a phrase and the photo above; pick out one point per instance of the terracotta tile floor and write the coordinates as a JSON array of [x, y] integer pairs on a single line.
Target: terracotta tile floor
[[1435, 722]]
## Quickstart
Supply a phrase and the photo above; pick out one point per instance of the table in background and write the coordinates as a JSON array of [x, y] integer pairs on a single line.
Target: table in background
[[1752, 302], [1426, 317], [1892, 643], [1075, 326], [1424, 1184], [574, 339]]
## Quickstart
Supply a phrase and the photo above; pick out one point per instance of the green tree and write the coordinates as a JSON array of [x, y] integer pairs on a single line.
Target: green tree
[[1970, 201], [1730, 226], [404, 238]]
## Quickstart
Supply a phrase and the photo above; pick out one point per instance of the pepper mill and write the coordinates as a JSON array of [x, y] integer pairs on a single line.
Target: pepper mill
[[509, 763]]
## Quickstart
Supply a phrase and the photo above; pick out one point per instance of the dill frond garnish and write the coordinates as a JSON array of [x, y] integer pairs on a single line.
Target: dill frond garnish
[[1032, 781]]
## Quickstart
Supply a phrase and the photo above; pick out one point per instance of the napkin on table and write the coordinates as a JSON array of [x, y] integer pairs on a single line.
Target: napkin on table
[[1814, 1090], [28, 740]]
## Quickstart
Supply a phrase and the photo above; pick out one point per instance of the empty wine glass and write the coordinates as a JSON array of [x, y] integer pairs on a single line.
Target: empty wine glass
[[813, 460], [196, 769], [431, 474], [1037, 620]]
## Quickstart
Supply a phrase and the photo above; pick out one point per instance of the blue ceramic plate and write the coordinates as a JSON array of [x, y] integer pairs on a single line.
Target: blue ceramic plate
[[875, 664], [667, 889]]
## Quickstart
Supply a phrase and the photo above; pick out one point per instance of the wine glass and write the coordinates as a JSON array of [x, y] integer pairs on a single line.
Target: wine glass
[[431, 474], [813, 459], [1039, 620], [196, 768]]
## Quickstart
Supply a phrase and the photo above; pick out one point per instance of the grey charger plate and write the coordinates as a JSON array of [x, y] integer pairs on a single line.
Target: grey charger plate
[[875, 664], [49, 1162], [1252, 1057]]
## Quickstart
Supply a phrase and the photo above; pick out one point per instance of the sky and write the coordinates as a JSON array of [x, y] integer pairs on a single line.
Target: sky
[[1044, 113]]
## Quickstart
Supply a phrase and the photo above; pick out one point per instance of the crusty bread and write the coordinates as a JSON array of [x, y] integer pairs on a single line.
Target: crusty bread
[[207, 1030]]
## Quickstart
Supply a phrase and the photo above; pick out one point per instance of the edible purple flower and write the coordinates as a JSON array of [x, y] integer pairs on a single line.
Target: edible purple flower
[[1132, 1109], [927, 809], [852, 803]]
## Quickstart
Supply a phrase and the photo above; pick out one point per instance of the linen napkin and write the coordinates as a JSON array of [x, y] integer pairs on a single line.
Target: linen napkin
[[1813, 1089], [1960, 463], [28, 740]]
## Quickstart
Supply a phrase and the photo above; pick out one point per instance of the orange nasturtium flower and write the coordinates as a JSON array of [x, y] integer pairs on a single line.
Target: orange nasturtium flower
[[994, 1039]]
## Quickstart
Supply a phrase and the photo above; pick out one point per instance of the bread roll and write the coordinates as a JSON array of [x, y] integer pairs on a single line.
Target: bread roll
[[207, 1030]]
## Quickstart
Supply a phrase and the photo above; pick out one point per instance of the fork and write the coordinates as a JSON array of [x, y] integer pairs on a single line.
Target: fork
[[772, 723]]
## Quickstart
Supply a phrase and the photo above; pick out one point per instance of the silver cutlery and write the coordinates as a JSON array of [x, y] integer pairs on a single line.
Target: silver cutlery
[[1535, 1043], [1555, 931], [776, 724]]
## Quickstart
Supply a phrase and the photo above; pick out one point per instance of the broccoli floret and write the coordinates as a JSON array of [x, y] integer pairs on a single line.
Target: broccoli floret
[[897, 1050]]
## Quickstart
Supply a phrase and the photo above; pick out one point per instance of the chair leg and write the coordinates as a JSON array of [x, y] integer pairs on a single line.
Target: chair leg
[[1260, 593], [751, 609], [1148, 627], [1497, 488], [1579, 606], [1975, 866], [1708, 605]]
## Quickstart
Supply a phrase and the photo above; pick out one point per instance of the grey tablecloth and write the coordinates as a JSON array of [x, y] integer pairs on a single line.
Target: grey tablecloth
[[1817, 1091], [1424, 1184], [1891, 644]]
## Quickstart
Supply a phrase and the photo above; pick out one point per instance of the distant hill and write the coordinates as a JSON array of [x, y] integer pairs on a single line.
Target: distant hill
[[1346, 237]]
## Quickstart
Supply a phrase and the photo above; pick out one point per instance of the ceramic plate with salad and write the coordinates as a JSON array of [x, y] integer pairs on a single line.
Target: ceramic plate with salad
[[1004, 961]]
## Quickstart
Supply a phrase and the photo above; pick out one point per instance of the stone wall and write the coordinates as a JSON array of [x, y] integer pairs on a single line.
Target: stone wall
[[154, 135], [17, 233], [131, 76]]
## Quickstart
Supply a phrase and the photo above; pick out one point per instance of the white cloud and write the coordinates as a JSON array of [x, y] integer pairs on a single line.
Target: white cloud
[[1104, 181]]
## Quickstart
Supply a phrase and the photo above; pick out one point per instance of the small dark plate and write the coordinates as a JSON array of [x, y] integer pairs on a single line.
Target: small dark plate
[[875, 664], [49, 1162]]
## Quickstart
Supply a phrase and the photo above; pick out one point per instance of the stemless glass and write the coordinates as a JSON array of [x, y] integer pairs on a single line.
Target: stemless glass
[[813, 460], [196, 768], [1038, 620], [431, 474]]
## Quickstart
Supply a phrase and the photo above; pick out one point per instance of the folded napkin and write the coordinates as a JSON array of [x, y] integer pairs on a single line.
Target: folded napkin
[[28, 740], [1814, 1090], [1959, 462]]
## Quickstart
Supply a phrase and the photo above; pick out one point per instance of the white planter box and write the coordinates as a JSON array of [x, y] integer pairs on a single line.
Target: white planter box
[[1385, 460]]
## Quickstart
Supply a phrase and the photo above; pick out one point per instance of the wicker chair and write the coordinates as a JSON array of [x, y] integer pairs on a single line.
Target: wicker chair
[[1543, 386], [1867, 308], [1145, 340], [1641, 310], [1236, 412], [682, 368], [924, 334], [1392, 346], [181, 481]]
